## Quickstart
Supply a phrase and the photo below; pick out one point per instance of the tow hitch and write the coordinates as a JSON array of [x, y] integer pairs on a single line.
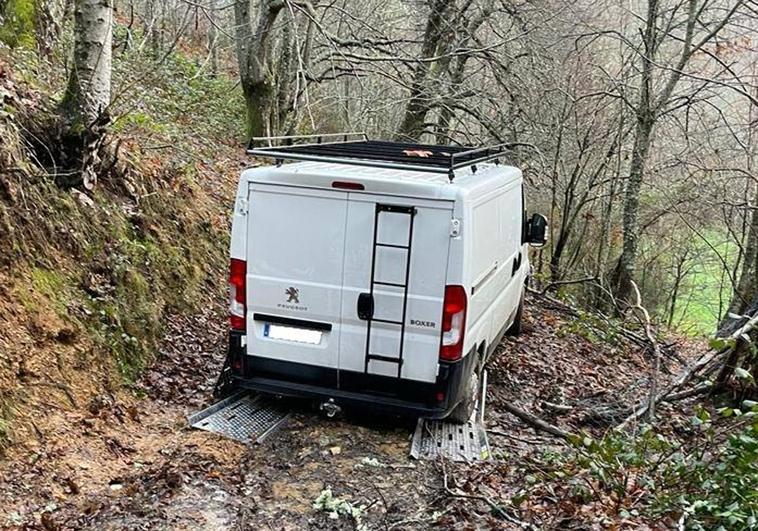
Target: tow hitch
[[330, 408]]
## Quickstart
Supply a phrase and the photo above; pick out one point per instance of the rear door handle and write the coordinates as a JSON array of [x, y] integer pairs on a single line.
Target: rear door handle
[[365, 306]]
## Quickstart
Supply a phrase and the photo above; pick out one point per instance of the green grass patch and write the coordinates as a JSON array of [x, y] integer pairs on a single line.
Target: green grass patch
[[706, 290]]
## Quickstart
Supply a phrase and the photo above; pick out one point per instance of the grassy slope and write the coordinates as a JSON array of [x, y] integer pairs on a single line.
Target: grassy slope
[[85, 286], [699, 310]]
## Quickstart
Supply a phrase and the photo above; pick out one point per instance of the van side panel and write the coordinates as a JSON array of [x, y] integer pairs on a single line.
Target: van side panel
[[511, 279], [494, 232], [486, 263]]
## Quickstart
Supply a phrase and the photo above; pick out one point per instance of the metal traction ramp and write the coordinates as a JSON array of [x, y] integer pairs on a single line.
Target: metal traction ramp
[[243, 416], [252, 418], [458, 442]]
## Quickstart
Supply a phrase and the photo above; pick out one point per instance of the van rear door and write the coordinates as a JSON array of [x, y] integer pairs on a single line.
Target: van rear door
[[295, 255], [379, 344]]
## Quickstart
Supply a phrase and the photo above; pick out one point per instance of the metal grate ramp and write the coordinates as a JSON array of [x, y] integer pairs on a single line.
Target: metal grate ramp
[[243, 416], [457, 442]]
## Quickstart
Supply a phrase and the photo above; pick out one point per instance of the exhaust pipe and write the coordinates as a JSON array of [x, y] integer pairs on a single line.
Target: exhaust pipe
[[330, 408]]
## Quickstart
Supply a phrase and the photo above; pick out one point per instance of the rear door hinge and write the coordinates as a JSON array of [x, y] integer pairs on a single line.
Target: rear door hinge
[[242, 205], [455, 228]]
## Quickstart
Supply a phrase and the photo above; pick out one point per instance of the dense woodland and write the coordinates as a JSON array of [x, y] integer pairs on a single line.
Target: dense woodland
[[635, 124]]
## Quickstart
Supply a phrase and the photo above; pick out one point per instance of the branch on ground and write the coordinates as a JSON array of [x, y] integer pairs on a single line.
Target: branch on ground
[[536, 422]]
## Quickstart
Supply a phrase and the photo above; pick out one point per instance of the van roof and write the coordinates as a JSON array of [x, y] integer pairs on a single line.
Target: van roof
[[487, 177]]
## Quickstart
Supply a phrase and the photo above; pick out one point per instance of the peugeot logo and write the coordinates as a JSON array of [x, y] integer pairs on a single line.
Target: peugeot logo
[[293, 295]]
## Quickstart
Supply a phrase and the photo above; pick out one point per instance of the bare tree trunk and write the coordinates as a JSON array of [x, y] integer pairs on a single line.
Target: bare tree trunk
[[420, 100], [253, 55], [286, 56], [625, 270], [89, 86], [85, 103], [153, 20], [645, 114], [747, 285], [648, 111], [447, 111], [680, 274], [50, 15], [213, 36], [604, 249]]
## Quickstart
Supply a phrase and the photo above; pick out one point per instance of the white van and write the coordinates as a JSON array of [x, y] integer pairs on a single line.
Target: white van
[[381, 274]]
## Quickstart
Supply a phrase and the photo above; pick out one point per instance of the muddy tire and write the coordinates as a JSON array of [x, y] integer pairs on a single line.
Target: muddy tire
[[517, 327], [462, 412]]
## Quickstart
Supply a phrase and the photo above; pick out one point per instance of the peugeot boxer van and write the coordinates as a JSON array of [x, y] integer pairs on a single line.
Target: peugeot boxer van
[[377, 274]]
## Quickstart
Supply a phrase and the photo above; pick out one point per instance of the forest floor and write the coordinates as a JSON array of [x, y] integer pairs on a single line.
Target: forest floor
[[133, 463]]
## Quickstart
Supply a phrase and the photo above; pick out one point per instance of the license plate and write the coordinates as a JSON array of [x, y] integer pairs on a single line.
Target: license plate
[[289, 333]]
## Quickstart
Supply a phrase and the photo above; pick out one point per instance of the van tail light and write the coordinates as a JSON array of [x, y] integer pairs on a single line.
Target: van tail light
[[453, 323], [237, 303]]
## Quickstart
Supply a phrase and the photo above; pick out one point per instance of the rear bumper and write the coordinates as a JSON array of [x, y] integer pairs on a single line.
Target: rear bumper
[[347, 388]]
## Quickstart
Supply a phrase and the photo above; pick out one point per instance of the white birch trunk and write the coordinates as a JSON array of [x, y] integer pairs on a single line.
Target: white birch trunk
[[89, 86], [88, 94]]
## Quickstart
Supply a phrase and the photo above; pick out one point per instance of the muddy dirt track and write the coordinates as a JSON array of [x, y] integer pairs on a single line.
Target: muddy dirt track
[[132, 463]]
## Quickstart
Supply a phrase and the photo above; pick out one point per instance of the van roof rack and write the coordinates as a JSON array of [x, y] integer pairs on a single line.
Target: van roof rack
[[356, 149]]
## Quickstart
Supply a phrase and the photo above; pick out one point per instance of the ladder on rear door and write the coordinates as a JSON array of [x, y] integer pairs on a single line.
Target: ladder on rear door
[[370, 356]]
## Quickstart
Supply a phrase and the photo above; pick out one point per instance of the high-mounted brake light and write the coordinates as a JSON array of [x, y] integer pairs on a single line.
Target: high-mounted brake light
[[347, 185], [453, 323], [237, 302]]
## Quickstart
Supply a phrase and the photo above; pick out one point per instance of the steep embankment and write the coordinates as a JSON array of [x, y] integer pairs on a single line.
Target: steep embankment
[[88, 281]]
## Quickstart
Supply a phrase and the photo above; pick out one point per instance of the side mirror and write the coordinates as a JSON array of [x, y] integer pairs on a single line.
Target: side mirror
[[536, 230]]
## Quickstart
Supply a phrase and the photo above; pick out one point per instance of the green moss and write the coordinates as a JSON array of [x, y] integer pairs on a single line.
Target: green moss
[[52, 285], [47, 282], [160, 265], [18, 28]]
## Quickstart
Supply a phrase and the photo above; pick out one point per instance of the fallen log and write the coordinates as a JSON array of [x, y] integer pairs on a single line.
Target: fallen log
[[688, 393], [557, 408], [535, 421], [737, 338], [550, 285]]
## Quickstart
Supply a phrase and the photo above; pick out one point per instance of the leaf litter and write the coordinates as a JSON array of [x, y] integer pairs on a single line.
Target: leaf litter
[[135, 464]]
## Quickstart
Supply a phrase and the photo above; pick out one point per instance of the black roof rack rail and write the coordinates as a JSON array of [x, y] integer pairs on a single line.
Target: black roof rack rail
[[356, 149]]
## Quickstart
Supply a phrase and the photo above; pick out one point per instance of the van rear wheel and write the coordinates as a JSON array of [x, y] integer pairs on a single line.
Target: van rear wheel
[[463, 411]]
